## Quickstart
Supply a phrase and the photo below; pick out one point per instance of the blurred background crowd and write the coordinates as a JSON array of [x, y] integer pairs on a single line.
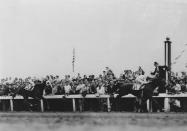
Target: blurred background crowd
[[91, 84]]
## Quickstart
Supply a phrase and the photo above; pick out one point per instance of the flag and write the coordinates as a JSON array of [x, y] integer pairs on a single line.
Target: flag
[[73, 61], [179, 56]]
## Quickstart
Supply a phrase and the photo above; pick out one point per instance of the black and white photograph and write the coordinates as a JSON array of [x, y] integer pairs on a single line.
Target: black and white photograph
[[93, 65]]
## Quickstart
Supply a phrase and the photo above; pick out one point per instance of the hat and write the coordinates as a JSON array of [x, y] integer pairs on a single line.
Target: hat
[[156, 63]]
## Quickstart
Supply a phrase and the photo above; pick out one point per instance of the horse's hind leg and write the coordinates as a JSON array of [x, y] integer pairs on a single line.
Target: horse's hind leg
[[143, 104], [118, 103], [140, 105], [137, 104], [157, 104]]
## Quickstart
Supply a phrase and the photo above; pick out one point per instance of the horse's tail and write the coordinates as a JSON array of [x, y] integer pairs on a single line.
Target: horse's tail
[[13, 95]]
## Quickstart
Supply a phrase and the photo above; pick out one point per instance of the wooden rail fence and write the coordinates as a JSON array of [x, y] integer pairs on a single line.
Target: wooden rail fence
[[93, 96]]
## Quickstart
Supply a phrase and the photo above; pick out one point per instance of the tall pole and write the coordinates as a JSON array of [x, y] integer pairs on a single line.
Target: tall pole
[[168, 58]]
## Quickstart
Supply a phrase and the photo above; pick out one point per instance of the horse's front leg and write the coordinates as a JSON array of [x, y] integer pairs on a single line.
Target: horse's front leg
[[118, 102], [143, 103], [152, 102], [137, 107], [38, 100], [159, 108], [27, 103]]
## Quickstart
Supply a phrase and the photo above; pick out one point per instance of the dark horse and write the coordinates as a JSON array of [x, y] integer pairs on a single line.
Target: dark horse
[[4, 90], [145, 93], [36, 93]]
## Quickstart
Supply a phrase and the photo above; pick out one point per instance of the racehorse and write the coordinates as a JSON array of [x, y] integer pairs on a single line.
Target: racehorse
[[35, 92], [145, 93], [122, 88]]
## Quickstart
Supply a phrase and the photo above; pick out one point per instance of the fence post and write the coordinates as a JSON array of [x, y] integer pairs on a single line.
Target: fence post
[[149, 105], [11, 105], [42, 105], [74, 106], [108, 104], [166, 104]]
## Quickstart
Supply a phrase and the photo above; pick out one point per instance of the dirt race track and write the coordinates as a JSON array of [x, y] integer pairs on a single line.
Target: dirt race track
[[24, 121]]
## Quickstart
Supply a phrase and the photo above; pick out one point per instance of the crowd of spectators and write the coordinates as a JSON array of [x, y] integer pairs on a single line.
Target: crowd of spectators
[[91, 84], [179, 82]]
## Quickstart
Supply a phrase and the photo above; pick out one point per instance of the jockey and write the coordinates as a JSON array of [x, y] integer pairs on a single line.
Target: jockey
[[31, 82], [100, 89], [67, 88], [139, 81], [30, 85]]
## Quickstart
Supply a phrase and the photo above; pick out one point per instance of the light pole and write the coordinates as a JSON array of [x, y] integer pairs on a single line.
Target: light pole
[[167, 60]]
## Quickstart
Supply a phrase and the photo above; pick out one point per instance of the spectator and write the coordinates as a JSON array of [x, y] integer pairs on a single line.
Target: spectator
[[100, 89], [92, 87], [101, 84], [67, 88], [78, 76], [104, 76], [80, 87]]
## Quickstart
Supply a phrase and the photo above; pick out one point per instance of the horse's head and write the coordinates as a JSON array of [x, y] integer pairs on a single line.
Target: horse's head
[[158, 83], [115, 86], [120, 85], [40, 87]]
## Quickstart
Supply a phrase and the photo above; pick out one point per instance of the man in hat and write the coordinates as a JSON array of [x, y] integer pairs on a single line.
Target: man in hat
[[159, 71], [160, 75], [67, 88]]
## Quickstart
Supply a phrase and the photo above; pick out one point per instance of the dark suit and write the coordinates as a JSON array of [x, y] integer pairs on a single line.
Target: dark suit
[[160, 72]]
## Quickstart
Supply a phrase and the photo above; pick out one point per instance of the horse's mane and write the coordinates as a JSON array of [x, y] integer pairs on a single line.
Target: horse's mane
[[40, 86]]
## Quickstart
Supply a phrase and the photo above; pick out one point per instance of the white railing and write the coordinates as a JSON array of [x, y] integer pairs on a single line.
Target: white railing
[[93, 96]]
